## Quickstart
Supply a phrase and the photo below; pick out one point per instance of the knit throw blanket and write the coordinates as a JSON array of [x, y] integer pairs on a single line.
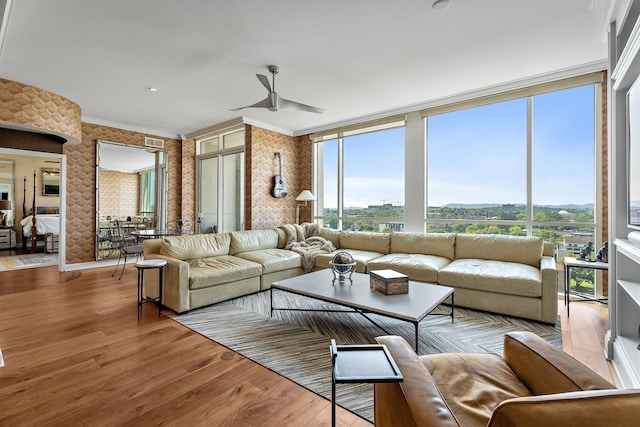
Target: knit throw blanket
[[305, 240]]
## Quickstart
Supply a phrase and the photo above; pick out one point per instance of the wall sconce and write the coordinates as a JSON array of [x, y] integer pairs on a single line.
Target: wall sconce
[[305, 196]]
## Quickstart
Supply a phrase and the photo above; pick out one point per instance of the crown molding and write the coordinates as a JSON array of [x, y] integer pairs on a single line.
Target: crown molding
[[219, 127], [236, 122], [267, 126], [125, 126]]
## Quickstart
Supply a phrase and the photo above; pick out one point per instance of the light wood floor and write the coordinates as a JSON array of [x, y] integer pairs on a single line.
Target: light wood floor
[[583, 335], [75, 354]]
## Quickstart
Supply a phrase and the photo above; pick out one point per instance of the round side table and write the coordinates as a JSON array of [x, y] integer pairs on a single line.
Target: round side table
[[141, 266]]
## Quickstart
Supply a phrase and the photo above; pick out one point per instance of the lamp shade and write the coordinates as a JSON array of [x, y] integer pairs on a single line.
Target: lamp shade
[[305, 196], [5, 205]]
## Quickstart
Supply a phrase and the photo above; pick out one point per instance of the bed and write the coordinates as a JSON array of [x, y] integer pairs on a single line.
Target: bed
[[42, 224]]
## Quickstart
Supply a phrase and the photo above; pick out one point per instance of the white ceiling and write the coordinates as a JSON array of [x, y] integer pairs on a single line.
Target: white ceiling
[[355, 58]]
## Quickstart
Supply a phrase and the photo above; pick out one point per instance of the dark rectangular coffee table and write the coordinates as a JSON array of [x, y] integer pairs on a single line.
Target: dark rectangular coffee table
[[412, 307]]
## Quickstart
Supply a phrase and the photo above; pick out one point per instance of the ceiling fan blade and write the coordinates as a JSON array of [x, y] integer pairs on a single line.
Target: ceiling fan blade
[[299, 106], [265, 103], [265, 81]]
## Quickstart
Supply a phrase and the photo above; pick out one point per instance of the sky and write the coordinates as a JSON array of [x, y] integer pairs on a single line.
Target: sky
[[478, 155]]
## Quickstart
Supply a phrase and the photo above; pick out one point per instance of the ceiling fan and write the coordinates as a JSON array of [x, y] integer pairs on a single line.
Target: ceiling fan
[[273, 101]]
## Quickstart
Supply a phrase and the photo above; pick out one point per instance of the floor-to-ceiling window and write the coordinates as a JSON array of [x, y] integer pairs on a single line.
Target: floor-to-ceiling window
[[477, 169], [525, 162], [220, 181], [523, 167], [360, 178]]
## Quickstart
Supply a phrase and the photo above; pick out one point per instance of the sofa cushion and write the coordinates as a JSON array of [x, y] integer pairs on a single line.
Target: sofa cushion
[[252, 240], [419, 267], [361, 258], [492, 276], [438, 244], [331, 235], [364, 241], [473, 385], [524, 250], [273, 260], [218, 270], [193, 246]]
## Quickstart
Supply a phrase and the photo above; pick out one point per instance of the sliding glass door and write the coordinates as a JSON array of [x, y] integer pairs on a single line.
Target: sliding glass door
[[221, 182], [208, 194]]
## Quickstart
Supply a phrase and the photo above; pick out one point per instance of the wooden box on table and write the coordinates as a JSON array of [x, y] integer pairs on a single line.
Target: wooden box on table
[[389, 282]]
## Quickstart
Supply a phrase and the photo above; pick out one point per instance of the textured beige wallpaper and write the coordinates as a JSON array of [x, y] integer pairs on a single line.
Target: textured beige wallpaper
[[81, 181], [38, 108], [189, 180], [262, 210], [119, 194]]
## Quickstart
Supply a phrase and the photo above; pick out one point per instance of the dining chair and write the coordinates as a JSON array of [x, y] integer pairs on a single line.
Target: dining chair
[[180, 227], [128, 246]]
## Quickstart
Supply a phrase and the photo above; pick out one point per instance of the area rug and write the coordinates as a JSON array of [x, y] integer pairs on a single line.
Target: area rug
[[16, 262], [295, 344]]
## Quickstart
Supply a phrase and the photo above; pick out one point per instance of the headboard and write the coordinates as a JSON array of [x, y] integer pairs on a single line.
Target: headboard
[[47, 210]]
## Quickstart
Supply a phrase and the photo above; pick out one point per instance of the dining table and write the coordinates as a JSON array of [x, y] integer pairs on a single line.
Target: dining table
[[152, 233]]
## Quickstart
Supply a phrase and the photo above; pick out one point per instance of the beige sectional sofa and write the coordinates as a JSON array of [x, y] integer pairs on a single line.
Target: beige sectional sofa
[[503, 274], [203, 269]]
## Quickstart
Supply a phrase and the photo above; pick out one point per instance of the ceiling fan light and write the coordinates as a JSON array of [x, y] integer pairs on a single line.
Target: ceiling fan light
[[275, 101]]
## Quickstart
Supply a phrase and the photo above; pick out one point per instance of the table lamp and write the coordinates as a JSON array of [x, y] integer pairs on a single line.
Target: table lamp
[[5, 205], [305, 197]]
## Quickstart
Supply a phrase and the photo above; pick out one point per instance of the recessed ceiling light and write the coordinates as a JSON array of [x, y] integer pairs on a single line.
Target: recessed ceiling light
[[440, 4], [153, 89]]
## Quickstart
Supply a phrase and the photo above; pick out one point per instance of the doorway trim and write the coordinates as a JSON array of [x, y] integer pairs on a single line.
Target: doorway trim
[[63, 196]]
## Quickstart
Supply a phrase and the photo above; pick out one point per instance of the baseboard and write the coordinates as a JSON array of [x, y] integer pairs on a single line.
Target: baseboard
[[92, 264]]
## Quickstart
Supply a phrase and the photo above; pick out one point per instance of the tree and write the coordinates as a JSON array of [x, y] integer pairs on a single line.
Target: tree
[[583, 217], [582, 279], [548, 235], [472, 229], [547, 216], [516, 230], [492, 229]]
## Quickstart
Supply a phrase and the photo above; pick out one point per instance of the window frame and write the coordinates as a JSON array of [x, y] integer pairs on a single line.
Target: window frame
[[416, 153], [528, 94], [220, 155], [318, 140]]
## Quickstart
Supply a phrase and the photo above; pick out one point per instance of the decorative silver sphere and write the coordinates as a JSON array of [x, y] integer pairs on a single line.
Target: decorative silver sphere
[[342, 265]]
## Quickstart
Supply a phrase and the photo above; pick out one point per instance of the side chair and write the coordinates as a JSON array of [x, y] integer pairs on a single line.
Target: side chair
[[128, 246]]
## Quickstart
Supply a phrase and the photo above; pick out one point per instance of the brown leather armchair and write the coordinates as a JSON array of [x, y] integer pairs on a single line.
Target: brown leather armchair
[[535, 384]]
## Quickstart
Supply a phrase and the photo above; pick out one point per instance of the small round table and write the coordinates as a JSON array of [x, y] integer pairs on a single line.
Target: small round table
[[146, 265]]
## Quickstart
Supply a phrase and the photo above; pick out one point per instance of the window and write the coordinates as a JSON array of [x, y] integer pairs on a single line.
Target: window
[[521, 163], [564, 162], [477, 162], [148, 193], [220, 192], [523, 167], [360, 179]]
